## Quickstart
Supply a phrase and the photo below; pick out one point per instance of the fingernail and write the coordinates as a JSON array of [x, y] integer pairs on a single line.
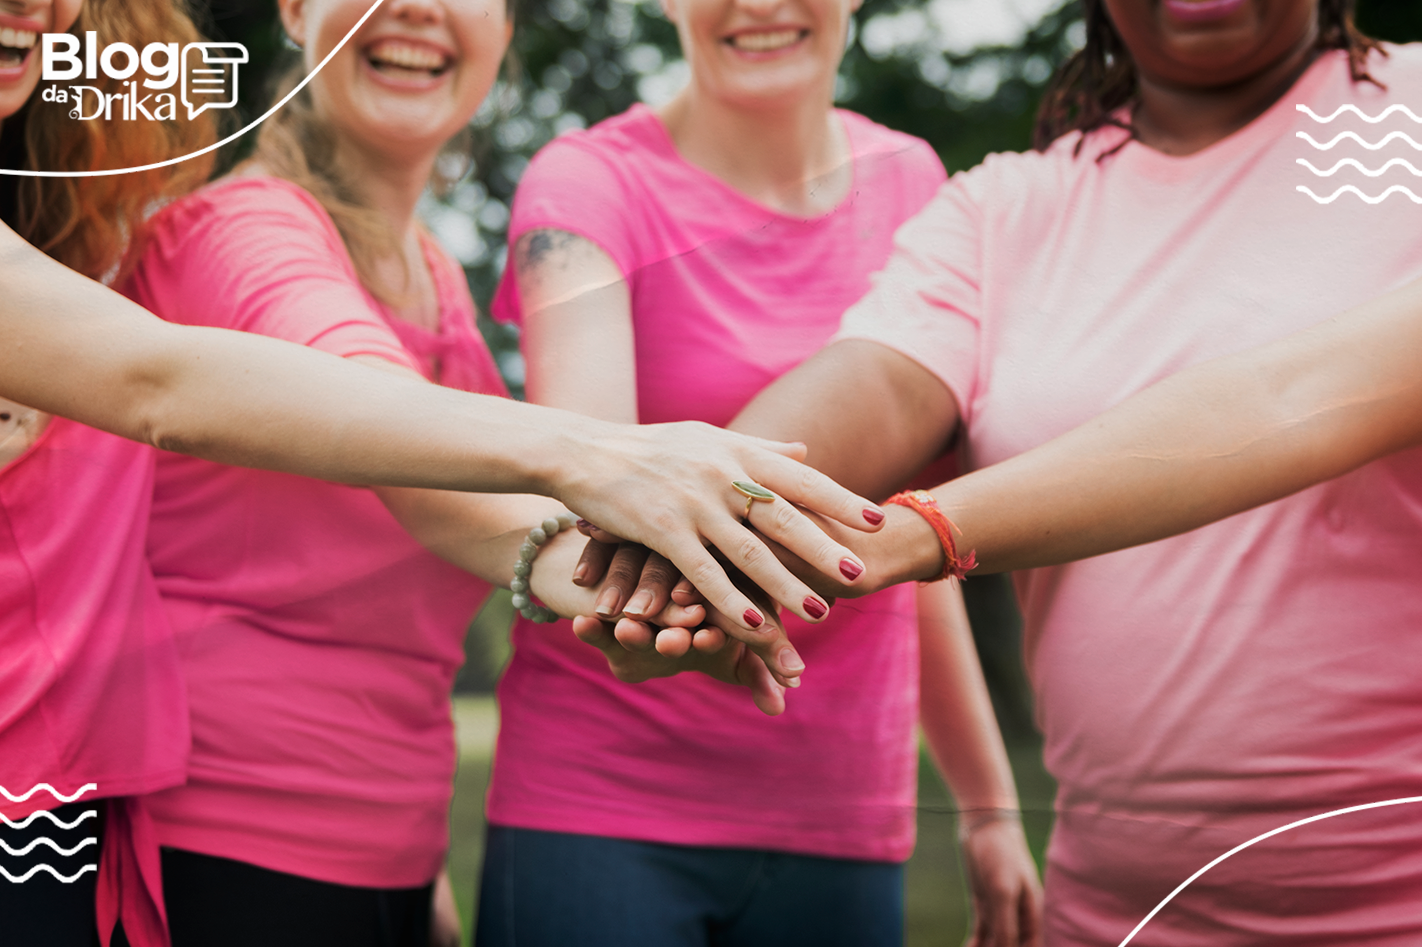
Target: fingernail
[[815, 608], [584, 525], [580, 574], [607, 601], [753, 618], [790, 660], [793, 682], [872, 516], [640, 603], [850, 569]]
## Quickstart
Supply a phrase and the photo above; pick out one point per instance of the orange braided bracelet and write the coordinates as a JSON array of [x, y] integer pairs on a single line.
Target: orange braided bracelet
[[922, 503]]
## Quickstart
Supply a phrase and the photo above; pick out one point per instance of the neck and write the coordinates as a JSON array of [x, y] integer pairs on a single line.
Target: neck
[[389, 185], [793, 158], [1181, 120]]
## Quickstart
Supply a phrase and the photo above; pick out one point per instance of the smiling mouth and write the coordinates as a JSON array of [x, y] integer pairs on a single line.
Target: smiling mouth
[[766, 41], [400, 59], [15, 46]]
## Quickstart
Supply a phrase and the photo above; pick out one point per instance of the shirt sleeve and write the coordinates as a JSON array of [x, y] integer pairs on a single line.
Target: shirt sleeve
[[926, 301], [571, 186], [260, 255]]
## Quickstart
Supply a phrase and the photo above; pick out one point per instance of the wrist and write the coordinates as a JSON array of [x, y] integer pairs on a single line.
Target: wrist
[[910, 548]]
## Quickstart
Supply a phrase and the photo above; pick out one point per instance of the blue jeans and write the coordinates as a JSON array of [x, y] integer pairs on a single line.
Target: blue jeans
[[552, 889]]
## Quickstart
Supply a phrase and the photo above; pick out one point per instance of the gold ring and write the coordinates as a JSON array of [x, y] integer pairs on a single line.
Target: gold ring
[[753, 492]]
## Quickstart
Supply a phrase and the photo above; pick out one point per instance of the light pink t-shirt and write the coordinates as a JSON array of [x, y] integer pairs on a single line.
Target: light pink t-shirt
[[1199, 691], [320, 641], [90, 689], [726, 296]]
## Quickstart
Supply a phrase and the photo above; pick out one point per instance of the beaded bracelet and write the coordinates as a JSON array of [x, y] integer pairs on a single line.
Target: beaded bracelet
[[523, 569], [923, 503]]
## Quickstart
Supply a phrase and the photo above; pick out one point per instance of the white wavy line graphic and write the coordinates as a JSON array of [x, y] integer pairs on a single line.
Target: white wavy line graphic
[[1395, 189], [1392, 136], [210, 148], [42, 840], [25, 822], [1256, 840], [1372, 120], [1354, 162], [66, 879], [51, 790]]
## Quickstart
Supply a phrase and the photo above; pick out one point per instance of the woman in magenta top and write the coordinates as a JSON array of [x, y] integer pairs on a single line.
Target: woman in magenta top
[[667, 265]]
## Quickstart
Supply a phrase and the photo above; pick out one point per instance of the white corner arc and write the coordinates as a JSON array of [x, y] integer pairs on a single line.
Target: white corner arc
[[213, 147], [1406, 800]]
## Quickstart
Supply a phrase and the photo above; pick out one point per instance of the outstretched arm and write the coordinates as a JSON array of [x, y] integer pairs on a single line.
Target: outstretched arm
[[70, 346]]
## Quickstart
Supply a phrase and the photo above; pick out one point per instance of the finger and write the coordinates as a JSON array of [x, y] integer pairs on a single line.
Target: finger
[[708, 640], [787, 526], [673, 642], [598, 533], [678, 616], [814, 491], [593, 563], [635, 636], [768, 695], [653, 588], [685, 594], [749, 623], [1029, 915], [747, 553], [593, 631], [622, 575], [1004, 914]]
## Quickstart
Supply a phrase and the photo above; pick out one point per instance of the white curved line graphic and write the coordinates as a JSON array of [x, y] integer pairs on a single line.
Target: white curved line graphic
[[42, 840], [1354, 162], [1372, 120], [24, 823], [1395, 189], [213, 147], [66, 879], [49, 789], [1392, 136], [1256, 840]]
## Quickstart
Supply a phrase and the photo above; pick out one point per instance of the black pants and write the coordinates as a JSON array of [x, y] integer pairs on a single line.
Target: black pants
[[219, 902], [42, 910]]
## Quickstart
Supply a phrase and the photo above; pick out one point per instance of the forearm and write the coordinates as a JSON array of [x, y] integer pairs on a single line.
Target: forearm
[[871, 417], [1205, 444], [74, 348], [956, 713]]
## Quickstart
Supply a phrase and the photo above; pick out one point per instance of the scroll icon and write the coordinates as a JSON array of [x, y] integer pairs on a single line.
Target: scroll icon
[[210, 76]]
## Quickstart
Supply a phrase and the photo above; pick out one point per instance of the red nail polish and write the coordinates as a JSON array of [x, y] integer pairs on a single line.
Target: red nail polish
[[873, 517], [850, 569], [815, 608], [584, 525], [753, 618]]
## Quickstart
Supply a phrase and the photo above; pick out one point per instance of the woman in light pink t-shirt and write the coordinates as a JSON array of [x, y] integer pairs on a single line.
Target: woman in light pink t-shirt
[[667, 265], [1199, 691]]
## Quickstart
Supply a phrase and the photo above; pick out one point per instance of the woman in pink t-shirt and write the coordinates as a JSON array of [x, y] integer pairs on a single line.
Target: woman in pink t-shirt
[[1198, 691], [667, 265]]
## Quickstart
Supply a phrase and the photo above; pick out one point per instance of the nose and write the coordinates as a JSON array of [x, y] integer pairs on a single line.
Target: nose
[[417, 12]]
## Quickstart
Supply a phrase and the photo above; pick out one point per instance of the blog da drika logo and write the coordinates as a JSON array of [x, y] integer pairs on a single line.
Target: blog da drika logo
[[205, 73]]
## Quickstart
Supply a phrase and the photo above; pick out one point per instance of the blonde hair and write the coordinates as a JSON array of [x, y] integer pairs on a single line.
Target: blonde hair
[[297, 146], [94, 225]]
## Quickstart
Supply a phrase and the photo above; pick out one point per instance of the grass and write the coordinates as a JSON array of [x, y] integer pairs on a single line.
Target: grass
[[935, 900]]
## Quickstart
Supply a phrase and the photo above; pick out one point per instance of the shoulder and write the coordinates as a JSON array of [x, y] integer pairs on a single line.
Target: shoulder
[[611, 147], [259, 207], [1401, 66], [892, 150]]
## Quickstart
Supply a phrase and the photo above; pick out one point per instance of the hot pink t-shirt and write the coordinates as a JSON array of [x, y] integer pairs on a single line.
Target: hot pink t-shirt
[[319, 640], [726, 296], [90, 689], [1199, 691]]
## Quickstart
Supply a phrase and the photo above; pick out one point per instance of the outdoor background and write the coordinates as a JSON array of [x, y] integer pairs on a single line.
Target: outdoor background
[[965, 75]]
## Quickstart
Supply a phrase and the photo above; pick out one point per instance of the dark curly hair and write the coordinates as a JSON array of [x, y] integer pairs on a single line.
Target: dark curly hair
[[1095, 83]]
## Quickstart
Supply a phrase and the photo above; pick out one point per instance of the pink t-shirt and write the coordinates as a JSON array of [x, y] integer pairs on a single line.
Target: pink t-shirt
[[726, 296], [90, 689], [319, 640], [1199, 691]]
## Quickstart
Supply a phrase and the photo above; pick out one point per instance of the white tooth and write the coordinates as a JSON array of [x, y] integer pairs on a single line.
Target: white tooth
[[7, 37]]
